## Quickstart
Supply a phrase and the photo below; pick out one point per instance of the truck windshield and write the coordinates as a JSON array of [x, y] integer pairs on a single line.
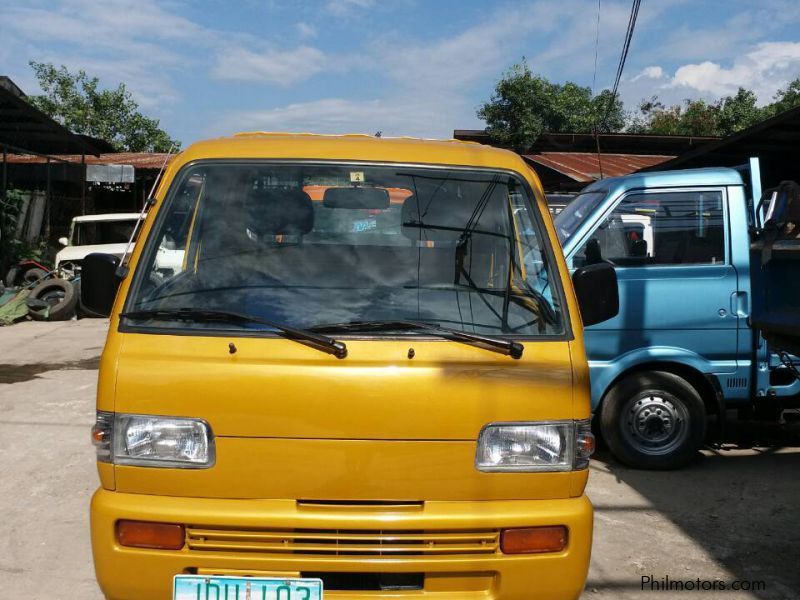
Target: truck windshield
[[309, 245], [89, 233], [569, 219]]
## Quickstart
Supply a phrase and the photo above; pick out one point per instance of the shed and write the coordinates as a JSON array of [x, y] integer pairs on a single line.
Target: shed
[[775, 141]]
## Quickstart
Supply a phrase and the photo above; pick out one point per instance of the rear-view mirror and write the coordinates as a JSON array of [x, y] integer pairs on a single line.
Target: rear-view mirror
[[99, 282], [597, 292], [356, 197]]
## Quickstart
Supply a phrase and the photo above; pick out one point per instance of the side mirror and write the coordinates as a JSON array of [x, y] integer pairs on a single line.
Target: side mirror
[[597, 292], [63, 241], [99, 282]]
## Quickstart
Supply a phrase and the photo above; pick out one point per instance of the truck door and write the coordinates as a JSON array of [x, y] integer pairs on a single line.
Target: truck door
[[671, 252]]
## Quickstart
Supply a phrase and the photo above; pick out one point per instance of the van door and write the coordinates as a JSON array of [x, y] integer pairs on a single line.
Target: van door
[[671, 252]]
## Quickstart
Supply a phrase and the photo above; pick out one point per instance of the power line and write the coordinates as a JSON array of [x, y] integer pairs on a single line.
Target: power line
[[596, 44], [594, 88], [626, 45]]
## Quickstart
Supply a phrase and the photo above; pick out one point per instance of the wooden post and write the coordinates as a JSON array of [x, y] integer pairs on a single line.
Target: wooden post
[[83, 182], [47, 203]]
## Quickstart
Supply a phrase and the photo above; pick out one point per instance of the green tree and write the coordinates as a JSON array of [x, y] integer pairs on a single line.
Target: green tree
[[786, 98], [693, 117], [76, 101], [722, 117], [738, 112], [524, 105]]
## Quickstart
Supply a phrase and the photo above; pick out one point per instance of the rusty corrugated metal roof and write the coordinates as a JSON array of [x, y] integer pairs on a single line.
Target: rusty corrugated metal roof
[[585, 167], [139, 160]]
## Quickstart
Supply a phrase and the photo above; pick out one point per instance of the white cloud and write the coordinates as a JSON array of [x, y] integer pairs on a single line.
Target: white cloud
[[283, 68], [765, 68], [653, 72], [342, 7], [118, 26], [429, 81], [117, 40], [306, 30], [719, 39], [405, 115]]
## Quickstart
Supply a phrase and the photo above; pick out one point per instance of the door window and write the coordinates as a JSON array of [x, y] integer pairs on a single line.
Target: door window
[[664, 228]]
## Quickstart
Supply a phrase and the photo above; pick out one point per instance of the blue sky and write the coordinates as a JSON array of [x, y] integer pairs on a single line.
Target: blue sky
[[405, 67]]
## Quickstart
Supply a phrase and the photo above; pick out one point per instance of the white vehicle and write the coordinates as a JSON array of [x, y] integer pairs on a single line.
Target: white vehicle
[[107, 233]]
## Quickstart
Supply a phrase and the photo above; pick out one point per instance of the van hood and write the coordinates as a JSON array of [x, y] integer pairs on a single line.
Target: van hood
[[272, 387], [291, 421], [69, 253]]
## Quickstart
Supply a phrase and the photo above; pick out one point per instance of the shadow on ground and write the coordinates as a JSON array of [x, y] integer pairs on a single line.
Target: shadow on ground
[[737, 503]]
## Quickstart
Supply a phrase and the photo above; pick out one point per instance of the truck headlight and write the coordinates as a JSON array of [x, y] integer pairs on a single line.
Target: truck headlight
[[153, 441], [536, 446]]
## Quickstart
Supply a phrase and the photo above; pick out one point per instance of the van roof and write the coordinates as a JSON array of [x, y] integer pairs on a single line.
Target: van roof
[[360, 147]]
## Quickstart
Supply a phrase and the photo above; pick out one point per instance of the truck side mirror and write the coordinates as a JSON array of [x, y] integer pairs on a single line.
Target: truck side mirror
[[597, 292], [99, 282], [63, 241]]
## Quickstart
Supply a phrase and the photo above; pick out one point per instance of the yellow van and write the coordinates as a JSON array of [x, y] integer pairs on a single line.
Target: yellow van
[[343, 367]]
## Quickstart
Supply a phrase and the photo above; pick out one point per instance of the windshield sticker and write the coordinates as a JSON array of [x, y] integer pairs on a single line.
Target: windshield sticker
[[364, 225], [356, 176]]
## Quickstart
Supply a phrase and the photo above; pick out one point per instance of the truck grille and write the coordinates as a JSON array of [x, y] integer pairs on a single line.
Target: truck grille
[[341, 542]]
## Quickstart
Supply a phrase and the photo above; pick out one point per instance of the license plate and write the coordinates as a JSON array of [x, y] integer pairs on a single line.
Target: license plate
[[198, 587]]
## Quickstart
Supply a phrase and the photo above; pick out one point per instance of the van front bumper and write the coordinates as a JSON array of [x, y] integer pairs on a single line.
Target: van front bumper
[[131, 573]]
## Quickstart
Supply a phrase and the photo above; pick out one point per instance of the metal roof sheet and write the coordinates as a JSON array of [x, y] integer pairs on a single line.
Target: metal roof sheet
[[22, 126], [585, 166], [139, 160], [613, 143]]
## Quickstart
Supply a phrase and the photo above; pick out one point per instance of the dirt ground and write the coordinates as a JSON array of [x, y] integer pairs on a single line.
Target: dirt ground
[[729, 517]]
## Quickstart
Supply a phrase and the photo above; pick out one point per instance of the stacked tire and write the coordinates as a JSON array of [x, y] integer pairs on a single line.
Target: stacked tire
[[53, 300]]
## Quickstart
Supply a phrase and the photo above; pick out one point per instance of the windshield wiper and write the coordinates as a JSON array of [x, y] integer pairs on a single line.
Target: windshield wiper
[[500, 345], [196, 315]]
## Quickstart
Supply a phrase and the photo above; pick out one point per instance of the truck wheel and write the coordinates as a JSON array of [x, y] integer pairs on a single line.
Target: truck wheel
[[653, 420], [52, 300]]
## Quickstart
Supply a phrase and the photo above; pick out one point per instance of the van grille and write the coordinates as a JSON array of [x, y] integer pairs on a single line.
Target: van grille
[[341, 542]]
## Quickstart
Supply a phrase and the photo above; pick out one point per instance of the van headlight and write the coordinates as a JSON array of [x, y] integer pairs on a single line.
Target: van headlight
[[153, 441], [536, 446]]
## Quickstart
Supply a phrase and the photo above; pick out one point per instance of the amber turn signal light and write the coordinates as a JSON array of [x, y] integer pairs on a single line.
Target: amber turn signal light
[[145, 534], [533, 540]]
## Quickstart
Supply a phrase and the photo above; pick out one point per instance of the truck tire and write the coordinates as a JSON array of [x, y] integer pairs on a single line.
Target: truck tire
[[32, 275], [52, 300], [653, 420]]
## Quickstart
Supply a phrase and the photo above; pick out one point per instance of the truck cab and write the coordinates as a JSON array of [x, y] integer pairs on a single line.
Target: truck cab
[[363, 378], [682, 346], [108, 233]]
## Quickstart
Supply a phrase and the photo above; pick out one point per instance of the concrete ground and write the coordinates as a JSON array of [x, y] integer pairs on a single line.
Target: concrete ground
[[731, 516]]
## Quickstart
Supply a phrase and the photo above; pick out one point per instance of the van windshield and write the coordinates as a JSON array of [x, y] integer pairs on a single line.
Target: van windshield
[[308, 245], [574, 213]]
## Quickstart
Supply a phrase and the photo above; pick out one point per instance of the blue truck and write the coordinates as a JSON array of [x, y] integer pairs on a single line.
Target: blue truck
[[709, 292]]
